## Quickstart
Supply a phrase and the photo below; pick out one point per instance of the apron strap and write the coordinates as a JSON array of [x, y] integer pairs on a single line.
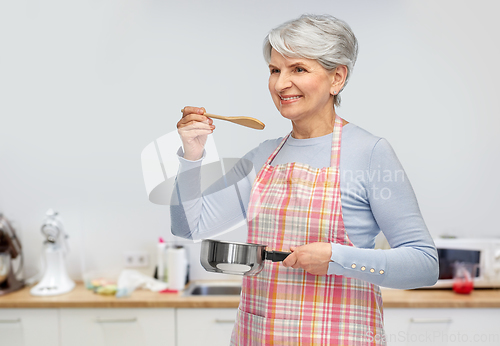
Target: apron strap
[[275, 152], [336, 139]]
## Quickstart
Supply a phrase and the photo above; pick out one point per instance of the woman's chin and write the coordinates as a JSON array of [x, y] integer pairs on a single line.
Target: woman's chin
[[290, 115], [287, 117], [286, 112]]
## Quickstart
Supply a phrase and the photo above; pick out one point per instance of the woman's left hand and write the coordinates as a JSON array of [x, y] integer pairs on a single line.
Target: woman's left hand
[[313, 258]]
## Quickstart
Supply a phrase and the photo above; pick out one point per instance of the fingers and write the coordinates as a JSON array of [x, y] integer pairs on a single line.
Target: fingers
[[195, 123], [195, 129], [314, 258], [291, 260], [192, 110], [193, 115]]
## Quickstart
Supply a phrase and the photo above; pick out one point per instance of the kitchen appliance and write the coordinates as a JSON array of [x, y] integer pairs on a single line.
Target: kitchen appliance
[[55, 279], [482, 254], [10, 252], [236, 258]]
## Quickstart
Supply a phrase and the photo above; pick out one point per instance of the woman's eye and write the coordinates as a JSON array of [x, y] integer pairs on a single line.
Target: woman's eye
[[300, 69], [274, 70]]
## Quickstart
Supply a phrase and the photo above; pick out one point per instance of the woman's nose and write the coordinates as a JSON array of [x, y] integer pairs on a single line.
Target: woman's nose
[[283, 82]]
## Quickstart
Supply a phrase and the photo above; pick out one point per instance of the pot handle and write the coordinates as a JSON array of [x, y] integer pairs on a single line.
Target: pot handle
[[276, 256]]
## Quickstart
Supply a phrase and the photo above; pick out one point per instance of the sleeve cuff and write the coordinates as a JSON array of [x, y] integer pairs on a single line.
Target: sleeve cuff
[[185, 165], [354, 262]]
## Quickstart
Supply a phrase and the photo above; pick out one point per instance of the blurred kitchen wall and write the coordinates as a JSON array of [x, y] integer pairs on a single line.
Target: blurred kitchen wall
[[86, 85]]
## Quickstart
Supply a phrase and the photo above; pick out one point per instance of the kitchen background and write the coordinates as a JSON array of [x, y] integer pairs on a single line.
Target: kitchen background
[[86, 85]]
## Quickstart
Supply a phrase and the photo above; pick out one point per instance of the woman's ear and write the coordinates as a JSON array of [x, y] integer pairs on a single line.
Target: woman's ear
[[339, 76]]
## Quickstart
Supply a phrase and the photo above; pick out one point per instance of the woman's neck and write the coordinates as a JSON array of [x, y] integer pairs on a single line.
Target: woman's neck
[[313, 127]]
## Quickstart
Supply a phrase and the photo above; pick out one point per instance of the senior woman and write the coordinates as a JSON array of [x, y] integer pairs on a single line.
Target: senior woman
[[324, 192]]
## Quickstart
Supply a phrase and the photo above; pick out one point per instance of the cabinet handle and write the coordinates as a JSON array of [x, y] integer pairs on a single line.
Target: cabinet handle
[[17, 320], [219, 320], [431, 320], [116, 320]]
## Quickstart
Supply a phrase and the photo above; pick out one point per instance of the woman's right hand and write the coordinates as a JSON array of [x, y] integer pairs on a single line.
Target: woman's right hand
[[194, 128]]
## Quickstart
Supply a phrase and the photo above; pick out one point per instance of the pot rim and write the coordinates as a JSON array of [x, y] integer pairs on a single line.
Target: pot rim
[[233, 243]]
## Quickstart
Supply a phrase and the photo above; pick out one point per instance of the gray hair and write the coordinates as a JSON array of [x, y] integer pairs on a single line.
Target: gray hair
[[324, 38]]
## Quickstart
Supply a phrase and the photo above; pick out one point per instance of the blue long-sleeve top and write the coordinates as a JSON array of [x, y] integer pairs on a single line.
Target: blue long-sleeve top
[[376, 195]]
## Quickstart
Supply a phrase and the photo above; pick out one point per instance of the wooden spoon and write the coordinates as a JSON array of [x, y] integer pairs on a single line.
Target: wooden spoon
[[240, 120]]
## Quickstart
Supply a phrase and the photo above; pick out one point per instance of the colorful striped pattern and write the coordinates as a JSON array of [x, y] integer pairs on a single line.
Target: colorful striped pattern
[[293, 205]]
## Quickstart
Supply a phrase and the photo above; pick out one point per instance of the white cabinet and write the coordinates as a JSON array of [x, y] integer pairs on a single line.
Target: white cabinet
[[29, 327], [205, 327], [208, 326], [117, 327], [442, 327]]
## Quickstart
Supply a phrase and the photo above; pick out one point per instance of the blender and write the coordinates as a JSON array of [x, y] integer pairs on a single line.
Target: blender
[[55, 279]]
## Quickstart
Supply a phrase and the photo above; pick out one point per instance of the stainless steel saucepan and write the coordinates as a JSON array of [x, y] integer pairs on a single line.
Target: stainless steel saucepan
[[236, 258]]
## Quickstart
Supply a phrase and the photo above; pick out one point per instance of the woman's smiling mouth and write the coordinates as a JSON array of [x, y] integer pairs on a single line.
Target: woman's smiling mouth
[[289, 99]]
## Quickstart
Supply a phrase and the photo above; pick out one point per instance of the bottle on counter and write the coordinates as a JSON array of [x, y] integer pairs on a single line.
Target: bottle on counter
[[161, 268]]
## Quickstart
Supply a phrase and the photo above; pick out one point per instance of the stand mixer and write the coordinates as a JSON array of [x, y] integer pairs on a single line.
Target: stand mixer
[[55, 279], [10, 249]]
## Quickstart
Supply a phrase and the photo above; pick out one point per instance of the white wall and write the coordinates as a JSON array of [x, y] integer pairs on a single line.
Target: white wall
[[86, 85]]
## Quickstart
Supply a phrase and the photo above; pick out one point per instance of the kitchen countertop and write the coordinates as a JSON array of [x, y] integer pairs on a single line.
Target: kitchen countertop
[[80, 297]]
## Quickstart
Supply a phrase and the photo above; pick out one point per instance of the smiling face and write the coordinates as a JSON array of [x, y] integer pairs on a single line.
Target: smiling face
[[302, 89]]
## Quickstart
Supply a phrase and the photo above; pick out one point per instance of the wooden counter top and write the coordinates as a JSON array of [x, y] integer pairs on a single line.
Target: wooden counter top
[[440, 298], [80, 297]]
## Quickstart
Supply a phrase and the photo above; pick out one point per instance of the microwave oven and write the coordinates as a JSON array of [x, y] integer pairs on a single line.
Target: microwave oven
[[483, 253]]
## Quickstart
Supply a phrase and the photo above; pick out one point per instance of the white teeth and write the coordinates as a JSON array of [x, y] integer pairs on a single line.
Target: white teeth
[[289, 98]]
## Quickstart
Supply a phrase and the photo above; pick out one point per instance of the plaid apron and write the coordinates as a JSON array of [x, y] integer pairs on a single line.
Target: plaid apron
[[291, 205]]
